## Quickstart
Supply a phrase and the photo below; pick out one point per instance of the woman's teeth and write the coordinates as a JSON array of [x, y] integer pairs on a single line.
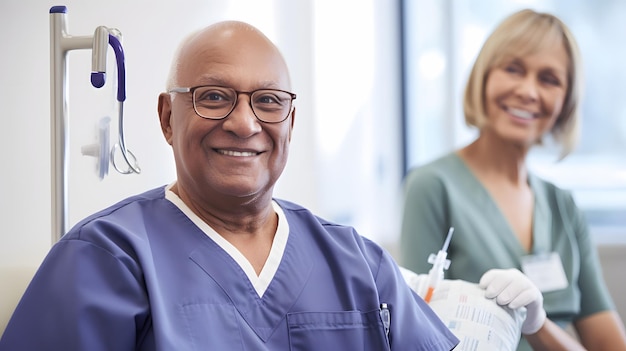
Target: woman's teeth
[[521, 113]]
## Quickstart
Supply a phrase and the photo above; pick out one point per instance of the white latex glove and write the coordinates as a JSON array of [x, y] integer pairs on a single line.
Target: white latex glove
[[513, 289]]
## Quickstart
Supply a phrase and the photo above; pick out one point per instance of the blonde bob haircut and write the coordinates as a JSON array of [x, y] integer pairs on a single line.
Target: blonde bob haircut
[[523, 33]]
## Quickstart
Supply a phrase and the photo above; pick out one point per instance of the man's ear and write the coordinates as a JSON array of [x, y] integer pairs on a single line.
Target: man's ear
[[165, 116]]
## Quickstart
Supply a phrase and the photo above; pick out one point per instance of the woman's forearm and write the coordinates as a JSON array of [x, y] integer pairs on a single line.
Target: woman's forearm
[[551, 337]]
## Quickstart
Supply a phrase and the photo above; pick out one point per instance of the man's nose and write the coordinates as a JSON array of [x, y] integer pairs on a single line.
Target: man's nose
[[242, 120]]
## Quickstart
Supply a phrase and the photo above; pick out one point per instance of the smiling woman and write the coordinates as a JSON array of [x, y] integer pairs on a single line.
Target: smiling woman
[[595, 171], [523, 87]]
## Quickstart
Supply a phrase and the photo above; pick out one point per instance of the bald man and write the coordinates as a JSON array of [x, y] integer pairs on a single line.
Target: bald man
[[212, 261]]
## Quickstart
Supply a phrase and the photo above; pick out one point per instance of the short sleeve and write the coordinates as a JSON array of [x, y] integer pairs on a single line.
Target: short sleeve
[[414, 325]]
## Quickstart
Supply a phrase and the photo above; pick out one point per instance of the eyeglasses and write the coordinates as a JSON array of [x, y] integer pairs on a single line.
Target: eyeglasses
[[216, 102]]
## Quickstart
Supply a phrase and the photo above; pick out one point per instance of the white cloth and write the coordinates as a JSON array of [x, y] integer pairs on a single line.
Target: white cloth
[[479, 322]]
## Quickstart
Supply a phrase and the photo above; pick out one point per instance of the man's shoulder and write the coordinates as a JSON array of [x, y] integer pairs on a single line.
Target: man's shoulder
[[128, 207], [155, 194], [292, 209], [301, 220]]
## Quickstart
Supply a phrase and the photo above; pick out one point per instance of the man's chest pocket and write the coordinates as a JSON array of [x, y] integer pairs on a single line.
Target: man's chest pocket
[[337, 331]]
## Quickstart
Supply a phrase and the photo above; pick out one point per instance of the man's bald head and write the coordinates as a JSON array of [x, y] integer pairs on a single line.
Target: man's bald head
[[207, 43]]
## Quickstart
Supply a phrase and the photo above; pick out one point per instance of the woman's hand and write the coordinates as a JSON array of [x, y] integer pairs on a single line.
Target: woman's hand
[[513, 289]]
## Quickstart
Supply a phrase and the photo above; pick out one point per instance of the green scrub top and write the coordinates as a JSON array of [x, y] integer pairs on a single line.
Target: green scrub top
[[444, 193]]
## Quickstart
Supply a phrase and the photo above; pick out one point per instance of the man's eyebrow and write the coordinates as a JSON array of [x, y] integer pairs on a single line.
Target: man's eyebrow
[[211, 80], [269, 84], [217, 80]]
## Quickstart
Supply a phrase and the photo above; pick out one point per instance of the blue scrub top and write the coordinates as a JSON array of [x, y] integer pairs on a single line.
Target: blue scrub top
[[141, 276]]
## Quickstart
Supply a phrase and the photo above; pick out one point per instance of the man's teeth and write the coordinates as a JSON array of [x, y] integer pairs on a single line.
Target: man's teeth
[[237, 153], [521, 113]]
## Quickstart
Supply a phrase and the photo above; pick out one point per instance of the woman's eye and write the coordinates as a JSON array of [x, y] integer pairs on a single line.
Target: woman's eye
[[513, 69], [549, 79]]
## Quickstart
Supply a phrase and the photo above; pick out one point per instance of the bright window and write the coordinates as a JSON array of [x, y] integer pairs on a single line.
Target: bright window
[[357, 103]]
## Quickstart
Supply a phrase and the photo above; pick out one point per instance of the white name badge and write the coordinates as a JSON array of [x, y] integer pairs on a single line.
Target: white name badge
[[545, 271]]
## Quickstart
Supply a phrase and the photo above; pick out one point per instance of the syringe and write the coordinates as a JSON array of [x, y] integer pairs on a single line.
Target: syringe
[[440, 263]]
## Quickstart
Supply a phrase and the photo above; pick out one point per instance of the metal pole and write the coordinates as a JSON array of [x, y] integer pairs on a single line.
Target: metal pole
[[60, 44]]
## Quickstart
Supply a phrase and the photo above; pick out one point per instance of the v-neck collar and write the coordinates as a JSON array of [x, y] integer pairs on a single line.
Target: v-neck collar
[[264, 314], [541, 212], [261, 281]]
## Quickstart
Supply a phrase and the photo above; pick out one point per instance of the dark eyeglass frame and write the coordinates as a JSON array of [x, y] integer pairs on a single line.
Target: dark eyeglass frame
[[192, 90]]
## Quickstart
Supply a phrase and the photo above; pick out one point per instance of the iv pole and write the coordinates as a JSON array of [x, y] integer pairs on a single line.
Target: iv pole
[[60, 44]]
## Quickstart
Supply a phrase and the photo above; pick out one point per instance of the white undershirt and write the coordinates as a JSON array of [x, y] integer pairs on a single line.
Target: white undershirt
[[262, 281]]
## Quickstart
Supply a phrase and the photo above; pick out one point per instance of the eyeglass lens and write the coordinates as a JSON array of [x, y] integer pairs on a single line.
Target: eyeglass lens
[[217, 102]]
